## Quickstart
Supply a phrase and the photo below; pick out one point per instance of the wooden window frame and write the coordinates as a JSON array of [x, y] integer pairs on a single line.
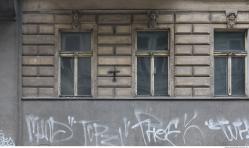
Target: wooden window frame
[[92, 53], [229, 55], [160, 53]]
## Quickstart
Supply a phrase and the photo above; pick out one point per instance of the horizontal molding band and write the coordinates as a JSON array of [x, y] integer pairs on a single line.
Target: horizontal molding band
[[135, 98]]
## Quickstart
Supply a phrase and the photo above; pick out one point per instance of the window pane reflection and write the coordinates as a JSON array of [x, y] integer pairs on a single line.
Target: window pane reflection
[[220, 76], [152, 40], [67, 76], [84, 76], [229, 41], [238, 76], [76, 41], [143, 76], [161, 76]]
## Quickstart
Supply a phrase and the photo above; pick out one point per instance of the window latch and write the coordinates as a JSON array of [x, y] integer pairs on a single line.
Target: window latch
[[151, 54], [76, 54], [230, 53]]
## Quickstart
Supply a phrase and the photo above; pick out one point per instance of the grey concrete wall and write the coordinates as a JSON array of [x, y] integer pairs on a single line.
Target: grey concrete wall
[[8, 82], [7, 10], [137, 122]]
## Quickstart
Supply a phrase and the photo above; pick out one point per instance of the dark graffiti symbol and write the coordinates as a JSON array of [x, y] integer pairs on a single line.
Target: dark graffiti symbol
[[114, 74]]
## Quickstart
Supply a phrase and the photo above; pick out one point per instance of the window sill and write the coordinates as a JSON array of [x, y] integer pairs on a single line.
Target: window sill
[[134, 98]]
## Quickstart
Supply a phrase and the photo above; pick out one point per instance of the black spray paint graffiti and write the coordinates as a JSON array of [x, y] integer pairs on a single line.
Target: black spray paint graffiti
[[5, 140], [152, 129]]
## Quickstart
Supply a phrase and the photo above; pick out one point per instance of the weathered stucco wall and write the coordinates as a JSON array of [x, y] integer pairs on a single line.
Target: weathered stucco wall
[[114, 33], [48, 119]]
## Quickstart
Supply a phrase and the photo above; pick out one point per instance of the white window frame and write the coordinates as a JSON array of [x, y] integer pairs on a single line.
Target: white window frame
[[229, 54], [168, 53], [92, 53]]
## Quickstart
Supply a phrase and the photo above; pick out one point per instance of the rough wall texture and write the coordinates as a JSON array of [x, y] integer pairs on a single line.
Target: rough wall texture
[[38, 55], [115, 45], [114, 48], [63, 121], [8, 81], [141, 123]]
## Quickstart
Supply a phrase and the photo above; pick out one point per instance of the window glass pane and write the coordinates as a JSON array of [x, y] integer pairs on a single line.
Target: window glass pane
[[152, 40], [143, 76], [161, 76], [220, 76], [75, 41], [84, 76], [67, 76], [229, 41], [238, 76]]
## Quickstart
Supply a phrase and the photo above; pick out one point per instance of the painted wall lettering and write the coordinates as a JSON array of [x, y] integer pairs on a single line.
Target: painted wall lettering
[[151, 128], [233, 131], [5, 140]]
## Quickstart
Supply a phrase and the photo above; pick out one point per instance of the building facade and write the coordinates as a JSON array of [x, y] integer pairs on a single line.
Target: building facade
[[124, 72]]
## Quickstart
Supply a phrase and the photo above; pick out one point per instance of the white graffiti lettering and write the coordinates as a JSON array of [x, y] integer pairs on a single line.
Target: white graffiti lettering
[[151, 128], [236, 130], [6, 141], [49, 130]]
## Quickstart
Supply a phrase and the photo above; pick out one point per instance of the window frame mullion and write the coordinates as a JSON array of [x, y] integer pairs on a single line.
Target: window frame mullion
[[152, 72], [229, 75], [75, 76]]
